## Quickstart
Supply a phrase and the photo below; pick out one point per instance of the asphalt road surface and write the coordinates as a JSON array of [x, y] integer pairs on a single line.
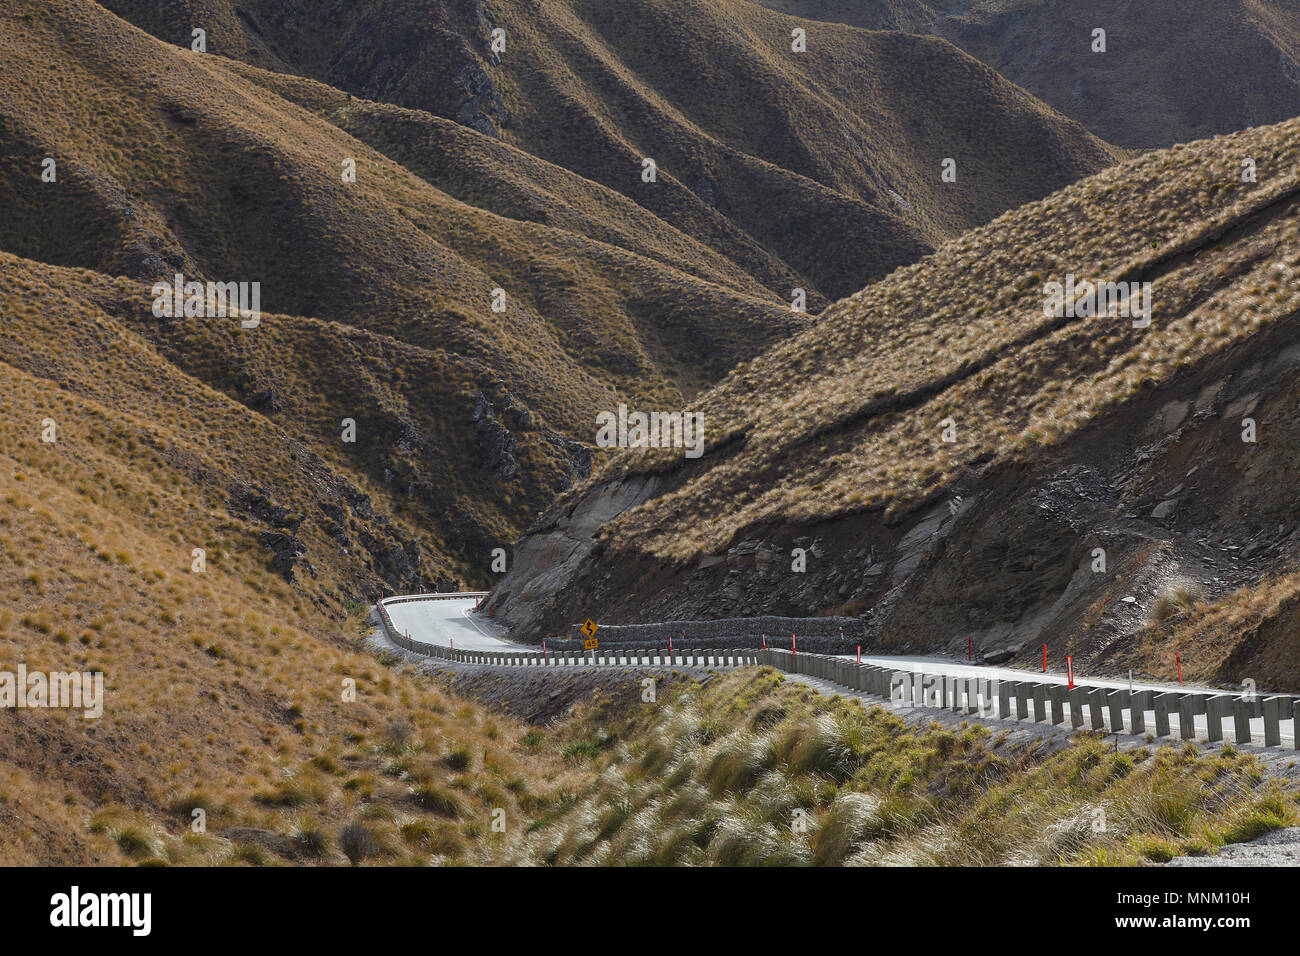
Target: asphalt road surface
[[448, 622]]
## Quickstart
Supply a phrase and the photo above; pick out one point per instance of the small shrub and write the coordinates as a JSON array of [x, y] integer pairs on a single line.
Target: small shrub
[[436, 800], [357, 842]]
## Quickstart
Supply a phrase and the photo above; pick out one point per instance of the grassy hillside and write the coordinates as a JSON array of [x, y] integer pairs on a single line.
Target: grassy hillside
[[827, 160], [751, 770], [170, 161], [1173, 70], [224, 687], [962, 334]]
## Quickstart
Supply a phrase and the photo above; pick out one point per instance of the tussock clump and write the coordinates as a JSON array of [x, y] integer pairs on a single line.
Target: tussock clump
[[833, 784], [1175, 600], [357, 842]]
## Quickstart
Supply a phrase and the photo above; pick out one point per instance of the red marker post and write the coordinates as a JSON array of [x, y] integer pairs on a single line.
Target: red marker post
[[764, 642], [794, 648], [859, 654], [1044, 658], [970, 647], [1069, 669], [1179, 658]]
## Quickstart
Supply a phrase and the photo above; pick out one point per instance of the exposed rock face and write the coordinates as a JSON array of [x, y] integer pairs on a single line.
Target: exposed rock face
[[496, 444], [287, 551], [481, 92], [1072, 550], [557, 550], [576, 454], [336, 523]]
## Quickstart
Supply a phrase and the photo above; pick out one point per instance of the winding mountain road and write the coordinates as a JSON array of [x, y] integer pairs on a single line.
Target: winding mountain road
[[450, 621]]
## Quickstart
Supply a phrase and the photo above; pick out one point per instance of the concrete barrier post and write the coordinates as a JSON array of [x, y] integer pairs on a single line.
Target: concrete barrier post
[[1056, 696], [974, 686], [932, 690], [1137, 709], [1160, 703], [1242, 710], [1116, 699], [1076, 695], [1096, 707], [1022, 700], [1215, 708], [1005, 691], [900, 687], [1040, 703], [1273, 709]]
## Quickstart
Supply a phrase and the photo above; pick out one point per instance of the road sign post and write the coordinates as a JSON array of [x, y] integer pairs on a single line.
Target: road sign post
[[589, 628]]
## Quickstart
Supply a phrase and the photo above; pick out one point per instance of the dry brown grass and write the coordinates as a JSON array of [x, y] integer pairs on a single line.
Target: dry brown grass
[[821, 165], [754, 771], [847, 416]]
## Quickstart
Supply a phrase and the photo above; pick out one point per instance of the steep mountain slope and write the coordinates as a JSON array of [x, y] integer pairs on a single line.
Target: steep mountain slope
[[1172, 71], [172, 162], [168, 161], [226, 687], [951, 452], [828, 159]]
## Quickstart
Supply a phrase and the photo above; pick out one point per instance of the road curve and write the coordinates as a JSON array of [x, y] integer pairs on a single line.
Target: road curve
[[446, 621], [450, 621]]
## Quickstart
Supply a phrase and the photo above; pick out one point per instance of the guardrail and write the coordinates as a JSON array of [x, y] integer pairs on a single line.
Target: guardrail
[[614, 656], [1110, 709], [823, 634]]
